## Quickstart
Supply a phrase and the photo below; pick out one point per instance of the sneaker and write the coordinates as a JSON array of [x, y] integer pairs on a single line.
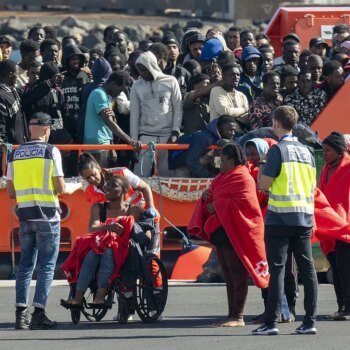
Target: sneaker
[[305, 329], [41, 321], [266, 330], [22, 319], [342, 316]]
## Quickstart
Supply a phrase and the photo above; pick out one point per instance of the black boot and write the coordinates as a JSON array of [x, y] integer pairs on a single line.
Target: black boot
[[41, 321], [22, 319]]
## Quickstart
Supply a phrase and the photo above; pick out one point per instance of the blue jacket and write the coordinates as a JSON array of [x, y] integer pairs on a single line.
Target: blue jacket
[[249, 88], [200, 141]]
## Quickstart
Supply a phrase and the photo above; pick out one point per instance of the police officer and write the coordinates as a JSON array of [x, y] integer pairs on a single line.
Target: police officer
[[34, 179], [289, 174]]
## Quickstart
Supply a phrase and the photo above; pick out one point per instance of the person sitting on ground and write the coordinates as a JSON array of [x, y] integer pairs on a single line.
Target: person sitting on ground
[[262, 106]]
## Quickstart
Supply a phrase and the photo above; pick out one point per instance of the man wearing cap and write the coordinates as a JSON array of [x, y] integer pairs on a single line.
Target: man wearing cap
[[5, 47], [195, 44], [290, 51], [34, 179], [318, 46]]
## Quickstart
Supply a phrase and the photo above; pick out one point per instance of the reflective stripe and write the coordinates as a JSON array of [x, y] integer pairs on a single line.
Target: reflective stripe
[[35, 191], [47, 174], [37, 203], [291, 209], [291, 197]]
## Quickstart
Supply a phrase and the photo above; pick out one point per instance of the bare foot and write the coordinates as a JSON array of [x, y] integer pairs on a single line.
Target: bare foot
[[235, 323], [219, 323]]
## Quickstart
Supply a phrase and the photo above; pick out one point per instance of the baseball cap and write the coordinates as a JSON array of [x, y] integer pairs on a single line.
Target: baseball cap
[[5, 39], [43, 119], [198, 37], [253, 55], [291, 36], [317, 40]]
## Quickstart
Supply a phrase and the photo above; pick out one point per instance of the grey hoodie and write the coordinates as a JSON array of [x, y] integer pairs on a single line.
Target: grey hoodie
[[155, 106]]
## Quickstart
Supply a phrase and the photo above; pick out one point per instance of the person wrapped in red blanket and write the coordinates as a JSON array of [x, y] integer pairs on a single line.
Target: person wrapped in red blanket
[[105, 248], [335, 184], [228, 215]]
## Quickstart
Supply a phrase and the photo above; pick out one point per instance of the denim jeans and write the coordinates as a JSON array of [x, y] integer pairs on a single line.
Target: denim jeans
[[39, 242], [277, 240], [104, 263]]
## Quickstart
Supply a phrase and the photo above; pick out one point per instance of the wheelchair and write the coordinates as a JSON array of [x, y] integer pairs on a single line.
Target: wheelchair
[[148, 297]]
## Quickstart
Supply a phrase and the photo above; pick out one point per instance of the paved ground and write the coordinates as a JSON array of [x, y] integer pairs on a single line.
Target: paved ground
[[186, 324]]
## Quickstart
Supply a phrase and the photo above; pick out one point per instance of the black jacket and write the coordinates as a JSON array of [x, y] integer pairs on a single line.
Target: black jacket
[[13, 126]]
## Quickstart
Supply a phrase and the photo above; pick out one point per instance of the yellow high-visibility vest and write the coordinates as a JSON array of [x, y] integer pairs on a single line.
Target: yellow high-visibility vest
[[32, 168], [292, 191]]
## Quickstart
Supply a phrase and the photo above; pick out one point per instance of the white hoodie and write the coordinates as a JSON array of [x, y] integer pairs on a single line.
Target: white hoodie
[[155, 106]]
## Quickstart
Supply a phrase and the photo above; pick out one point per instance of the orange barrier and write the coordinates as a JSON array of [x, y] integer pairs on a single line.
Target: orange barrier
[[306, 22], [335, 115]]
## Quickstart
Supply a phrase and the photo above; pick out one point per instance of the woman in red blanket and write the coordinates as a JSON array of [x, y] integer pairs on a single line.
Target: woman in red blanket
[[335, 184], [106, 246], [228, 215]]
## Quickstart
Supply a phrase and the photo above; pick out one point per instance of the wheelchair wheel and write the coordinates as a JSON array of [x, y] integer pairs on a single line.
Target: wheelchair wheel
[[74, 313], [151, 290], [93, 314]]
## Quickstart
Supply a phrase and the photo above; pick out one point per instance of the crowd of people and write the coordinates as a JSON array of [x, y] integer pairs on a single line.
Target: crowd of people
[[162, 89], [218, 88]]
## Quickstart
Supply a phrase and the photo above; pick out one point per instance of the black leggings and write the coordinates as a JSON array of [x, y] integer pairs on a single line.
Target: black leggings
[[343, 262]]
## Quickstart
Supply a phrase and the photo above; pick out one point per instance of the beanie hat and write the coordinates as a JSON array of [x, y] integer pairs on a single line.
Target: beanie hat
[[211, 49], [336, 141], [170, 39]]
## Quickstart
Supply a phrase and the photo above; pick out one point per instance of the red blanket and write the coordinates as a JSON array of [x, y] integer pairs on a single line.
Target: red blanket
[[337, 192], [99, 242], [233, 195]]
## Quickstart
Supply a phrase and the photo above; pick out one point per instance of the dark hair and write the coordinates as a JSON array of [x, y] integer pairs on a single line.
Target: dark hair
[[35, 64], [234, 29], [115, 178], [37, 27], [98, 52], [305, 52], [48, 42], [115, 52], [109, 28], [315, 58], [265, 48], [212, 29], [224, 119], [28, 45], [119, 77], [262, 36], [84, 49], [287, 116], [7, 67], [155, 38], [87, 161], [159, 50], [331, 67], [191, 65], [290, 42], [235, 152], [226, 57], [244, 32], [269, 75], [51, 31], [340, 28], [230, 66], [143, 43]]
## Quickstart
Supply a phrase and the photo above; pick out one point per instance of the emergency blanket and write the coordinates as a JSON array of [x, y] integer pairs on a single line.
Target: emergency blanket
[[237, 209], [99, 242]]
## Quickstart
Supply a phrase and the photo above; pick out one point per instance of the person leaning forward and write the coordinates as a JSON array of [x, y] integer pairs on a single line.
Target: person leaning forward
[[34, 179], [289, 175]]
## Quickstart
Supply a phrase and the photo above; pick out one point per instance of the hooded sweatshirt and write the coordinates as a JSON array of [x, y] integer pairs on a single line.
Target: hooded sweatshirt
[[251, 87], [71, 87], [156, 108], [101, 71]]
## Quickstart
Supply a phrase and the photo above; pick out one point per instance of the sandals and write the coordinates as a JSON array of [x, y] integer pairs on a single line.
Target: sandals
[[68, 305]]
